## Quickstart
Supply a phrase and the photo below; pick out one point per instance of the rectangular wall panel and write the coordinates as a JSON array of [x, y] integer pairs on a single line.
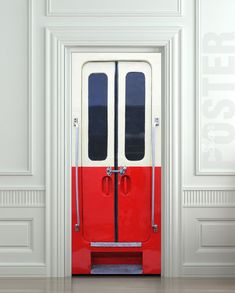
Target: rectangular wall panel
[[208, 238], [218, 234], [22, 241], [113, 8], [22, 231], [15, 90], [216, 87], [16, 234]]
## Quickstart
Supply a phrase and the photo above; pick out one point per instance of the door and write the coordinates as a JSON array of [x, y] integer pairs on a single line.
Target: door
[[98, 106], [116, 151], [134, 151]]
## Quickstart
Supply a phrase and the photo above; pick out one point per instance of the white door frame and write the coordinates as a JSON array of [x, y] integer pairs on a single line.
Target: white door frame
[[60, 41]]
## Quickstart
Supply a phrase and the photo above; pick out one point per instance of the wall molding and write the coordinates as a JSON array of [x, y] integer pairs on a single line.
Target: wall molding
[[26, 244], [32, 264], [59, 42], [202, 187], [36, 269], [210, 197], [208, 269], [208, 241], [22, 250], [29, 170], [220, 246], [112, 13], [22, 198]]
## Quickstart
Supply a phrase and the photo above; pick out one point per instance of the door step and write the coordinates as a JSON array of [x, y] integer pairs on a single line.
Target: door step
[[116, 244], [118, 269]]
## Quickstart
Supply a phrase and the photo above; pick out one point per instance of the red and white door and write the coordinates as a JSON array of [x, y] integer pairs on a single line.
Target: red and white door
[[116, 160]]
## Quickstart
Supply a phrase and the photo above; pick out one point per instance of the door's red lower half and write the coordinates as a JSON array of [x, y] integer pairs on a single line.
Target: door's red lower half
[[96, 204], [97, 194], [134, 205]]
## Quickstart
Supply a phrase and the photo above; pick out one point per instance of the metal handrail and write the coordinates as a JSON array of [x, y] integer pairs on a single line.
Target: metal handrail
[[76, 125], [155, 124]]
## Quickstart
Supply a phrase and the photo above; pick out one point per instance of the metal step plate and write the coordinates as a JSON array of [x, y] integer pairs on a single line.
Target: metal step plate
[[116, 244], [120, 269]]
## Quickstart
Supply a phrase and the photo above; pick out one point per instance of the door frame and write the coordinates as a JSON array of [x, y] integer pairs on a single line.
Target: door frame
[[60, 42]]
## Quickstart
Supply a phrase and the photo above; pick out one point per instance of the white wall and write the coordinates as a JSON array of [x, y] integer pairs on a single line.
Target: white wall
[[207, 201]]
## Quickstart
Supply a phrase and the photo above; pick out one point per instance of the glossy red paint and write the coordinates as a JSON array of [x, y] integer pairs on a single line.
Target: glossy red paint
[[116, 258], [97, 204], [134, 205], [96, 201]]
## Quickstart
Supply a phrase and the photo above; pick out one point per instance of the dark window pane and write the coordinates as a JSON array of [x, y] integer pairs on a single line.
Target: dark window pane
[[135, 116], [97, 123]]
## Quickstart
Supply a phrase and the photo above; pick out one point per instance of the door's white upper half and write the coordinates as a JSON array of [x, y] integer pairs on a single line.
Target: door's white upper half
[[83, 65], [123, 69], [107, 68]]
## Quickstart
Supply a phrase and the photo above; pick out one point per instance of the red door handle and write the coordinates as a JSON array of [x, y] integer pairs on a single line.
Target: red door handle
[[125, 184], [106, 185]]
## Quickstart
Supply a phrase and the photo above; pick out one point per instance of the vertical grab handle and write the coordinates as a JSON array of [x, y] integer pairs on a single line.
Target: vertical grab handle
[[125, 184], [75, 124], [155, 124], [106, 185]]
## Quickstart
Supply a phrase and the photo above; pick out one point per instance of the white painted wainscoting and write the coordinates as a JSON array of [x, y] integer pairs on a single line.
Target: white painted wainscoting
[[197, 40], [22, 226], [208, 238]]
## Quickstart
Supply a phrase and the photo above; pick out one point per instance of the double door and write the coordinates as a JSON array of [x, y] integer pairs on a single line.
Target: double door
[[116, 151]]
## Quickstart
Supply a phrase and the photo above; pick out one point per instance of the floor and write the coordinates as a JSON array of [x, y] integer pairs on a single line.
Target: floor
[[117, 284]]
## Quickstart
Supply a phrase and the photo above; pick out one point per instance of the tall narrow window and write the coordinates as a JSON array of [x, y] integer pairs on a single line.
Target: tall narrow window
[[97, 118], [135, 116]]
